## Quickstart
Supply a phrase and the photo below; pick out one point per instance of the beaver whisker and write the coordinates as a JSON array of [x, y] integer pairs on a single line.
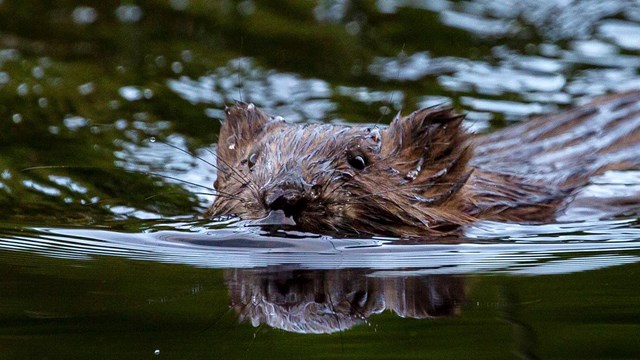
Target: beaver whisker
[[225, 194], [244, 180], [60, 167], [185, 152], [197, 157], [179, 180], [176, 192], [240, 177], [120, 169]]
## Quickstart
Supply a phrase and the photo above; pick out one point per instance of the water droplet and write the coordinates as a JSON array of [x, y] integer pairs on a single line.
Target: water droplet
[[129, 13], [45, 62], [152, 139], [186, 55], [84, 15], [75, 122], [9, 55], [43, 102], [121, 124], [156, 352], [161, 61], [141, 117], [37, 72], [23, 89], [17, 118], [148, 93], [353, 28], [176, 67], [86, 88], [4, 78], [130, 93]]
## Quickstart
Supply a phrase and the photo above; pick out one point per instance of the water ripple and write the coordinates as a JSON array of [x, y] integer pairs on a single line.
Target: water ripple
[[528, 250]]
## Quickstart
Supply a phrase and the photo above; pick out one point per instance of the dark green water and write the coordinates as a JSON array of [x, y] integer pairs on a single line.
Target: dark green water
[[103, 253]]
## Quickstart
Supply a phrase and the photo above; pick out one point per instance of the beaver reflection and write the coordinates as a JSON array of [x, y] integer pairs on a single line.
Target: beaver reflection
[[315, 301]]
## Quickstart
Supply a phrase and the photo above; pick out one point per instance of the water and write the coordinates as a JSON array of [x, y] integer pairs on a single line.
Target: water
[[101, 245]]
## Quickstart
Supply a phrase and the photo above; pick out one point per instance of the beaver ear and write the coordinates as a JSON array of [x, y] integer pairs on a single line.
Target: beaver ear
[[243, 124], [429, 132]]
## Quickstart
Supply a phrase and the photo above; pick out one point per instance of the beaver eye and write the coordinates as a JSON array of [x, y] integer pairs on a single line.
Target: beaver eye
[[357, 162], [252, 159]]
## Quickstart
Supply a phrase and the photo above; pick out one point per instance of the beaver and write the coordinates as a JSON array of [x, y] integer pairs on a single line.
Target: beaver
[[423, 174], [328, 301]]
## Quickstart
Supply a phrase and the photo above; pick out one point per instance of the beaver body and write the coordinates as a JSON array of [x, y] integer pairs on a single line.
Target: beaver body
[[422, 175]]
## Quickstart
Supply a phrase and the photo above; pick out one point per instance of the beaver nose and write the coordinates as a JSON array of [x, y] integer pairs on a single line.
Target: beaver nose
[[291, 201]]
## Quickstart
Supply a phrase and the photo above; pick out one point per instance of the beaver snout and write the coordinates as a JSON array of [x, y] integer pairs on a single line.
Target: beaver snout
[[291, 201]]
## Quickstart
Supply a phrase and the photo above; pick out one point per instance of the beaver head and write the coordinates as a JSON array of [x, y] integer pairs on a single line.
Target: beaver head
[[405, 179]]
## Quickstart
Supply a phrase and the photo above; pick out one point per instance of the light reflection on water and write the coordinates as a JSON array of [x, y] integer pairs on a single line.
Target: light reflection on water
[[489, 248], [292, 96], [174, 163], [544, 75]]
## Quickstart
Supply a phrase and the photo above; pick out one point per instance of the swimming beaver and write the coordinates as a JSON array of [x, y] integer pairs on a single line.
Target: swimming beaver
[[422, 175]]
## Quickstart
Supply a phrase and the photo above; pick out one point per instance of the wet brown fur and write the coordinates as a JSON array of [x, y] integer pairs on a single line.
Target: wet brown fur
[[423, 175]]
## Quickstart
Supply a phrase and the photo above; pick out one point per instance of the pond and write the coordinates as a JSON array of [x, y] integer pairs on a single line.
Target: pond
[[108, 115]]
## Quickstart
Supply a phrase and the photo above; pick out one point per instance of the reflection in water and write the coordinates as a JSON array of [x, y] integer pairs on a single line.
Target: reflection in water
[[314, 301], [288, 94]]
